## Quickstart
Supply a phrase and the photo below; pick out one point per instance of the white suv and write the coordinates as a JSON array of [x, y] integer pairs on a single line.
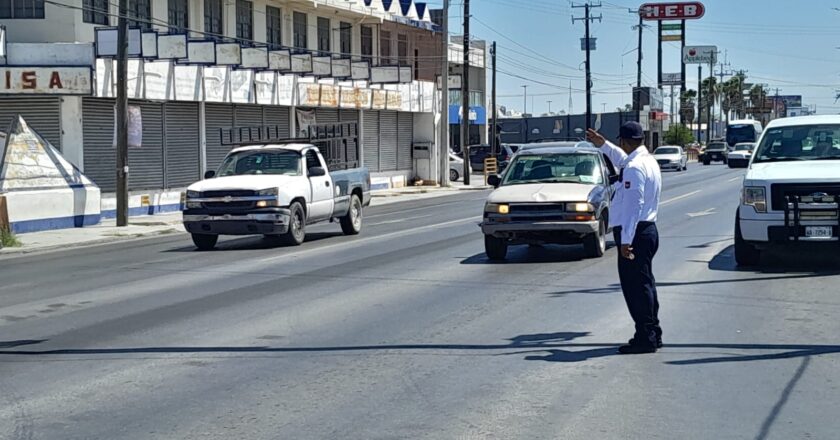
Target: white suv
[[791, 193]]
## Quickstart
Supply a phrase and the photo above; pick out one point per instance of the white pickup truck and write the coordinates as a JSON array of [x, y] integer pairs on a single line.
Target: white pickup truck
[[276, 189], [791, 193]]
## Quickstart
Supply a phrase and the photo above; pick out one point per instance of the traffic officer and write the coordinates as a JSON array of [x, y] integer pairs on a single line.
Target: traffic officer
[[633, 218]]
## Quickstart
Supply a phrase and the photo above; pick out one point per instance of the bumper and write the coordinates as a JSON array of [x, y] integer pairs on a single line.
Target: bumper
[[275, 222], [714, 157], [770, 230], [526, 228], [671, 166]]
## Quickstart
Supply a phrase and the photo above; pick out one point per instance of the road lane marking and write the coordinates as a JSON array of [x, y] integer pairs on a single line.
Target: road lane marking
[[735, 178], [679, 197], [709, 211], [399, 220], [374, 238]]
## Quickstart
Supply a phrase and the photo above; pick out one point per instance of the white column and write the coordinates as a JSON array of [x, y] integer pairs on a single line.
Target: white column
[[202, 136], [72, 138]]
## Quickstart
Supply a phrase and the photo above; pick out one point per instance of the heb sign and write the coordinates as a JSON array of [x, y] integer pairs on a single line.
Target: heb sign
[[46, 80], [672, 11]]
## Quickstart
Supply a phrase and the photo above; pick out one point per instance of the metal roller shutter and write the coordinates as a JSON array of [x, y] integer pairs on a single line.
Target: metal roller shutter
[[43, 114], [248, 115], [182, 144], [100, 156], [146, 162], [387, 141], [216, 116], [370, 140], [405, 137], [350, 115], [278, 116], [326, 116]]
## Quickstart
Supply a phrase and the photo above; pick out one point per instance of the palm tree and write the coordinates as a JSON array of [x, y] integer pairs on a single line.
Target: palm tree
[[711, 92], [687, 106]]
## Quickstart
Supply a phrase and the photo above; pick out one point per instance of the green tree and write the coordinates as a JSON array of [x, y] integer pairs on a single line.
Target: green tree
[[678, 134]]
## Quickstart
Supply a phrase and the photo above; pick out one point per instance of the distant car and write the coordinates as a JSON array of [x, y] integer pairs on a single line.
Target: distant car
[[714, 152], [456, 167], [740, 156], [549, 195], [671, 157]]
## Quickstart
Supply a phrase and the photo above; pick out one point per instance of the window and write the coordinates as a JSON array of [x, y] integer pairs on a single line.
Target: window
[[275, 162], [367, 43], [141, 13], [300, 31], [324, 35], [346, 38], [416, 63], [244, 20], [273, 26], [179, 15], [476, 98], [385, 48], [22, 9], [95, 11], [402, 50], [312, 160], [213, 23]]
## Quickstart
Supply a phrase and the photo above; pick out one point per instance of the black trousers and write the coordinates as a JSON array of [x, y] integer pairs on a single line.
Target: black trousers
[[638, 283]]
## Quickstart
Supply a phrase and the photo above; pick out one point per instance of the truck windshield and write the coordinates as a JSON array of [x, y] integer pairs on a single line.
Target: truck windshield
[[740, 133], [716, 146], [804, 142], [555, 168], [281, 162]]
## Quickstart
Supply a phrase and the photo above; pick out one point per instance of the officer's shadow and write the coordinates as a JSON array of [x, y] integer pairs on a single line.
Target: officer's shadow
[[542, 341]]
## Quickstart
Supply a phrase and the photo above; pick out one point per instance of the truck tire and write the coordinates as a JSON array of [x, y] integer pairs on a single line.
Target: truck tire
[[297, 226], [205, 242], [745, 253], [351, 224], [495, 248], [707, 161], [595, 244], [453, 175]]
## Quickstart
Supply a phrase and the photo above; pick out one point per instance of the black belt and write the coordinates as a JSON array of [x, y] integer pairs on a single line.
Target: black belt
[[646, 224]]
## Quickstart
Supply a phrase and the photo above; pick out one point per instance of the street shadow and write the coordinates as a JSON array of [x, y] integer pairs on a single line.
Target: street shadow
[[20, 343], [524, 254], [814, 262], [250, 243], [610, 289]]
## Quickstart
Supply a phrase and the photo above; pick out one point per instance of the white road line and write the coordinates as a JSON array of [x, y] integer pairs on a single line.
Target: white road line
[[399, 220], [374, 238], [679, 197], [735, 178]]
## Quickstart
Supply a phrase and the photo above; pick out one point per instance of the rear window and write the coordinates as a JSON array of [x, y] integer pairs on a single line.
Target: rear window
[[716, 146], [667, 150]]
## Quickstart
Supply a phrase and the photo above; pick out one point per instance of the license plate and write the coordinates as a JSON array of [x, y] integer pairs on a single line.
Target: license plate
[[818, 231]]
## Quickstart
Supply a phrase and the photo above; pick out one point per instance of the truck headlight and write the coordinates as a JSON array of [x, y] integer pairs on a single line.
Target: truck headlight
[[497, 208], [271, 198], [192, 195], [756, 197], [579, 207]]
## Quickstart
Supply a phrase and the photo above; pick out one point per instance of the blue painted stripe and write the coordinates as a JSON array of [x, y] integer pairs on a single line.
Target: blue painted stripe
[[145, 210], [44, 224], [378, 186]]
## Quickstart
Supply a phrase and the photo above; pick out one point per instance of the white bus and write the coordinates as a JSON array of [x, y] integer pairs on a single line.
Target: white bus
[[743, 130]]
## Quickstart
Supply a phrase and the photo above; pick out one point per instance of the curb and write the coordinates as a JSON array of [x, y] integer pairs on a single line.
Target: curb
[[99, 241]]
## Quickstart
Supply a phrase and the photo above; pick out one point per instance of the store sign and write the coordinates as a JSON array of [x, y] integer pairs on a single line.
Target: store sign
[[393, 100], [46, 80], [329, 95], [671, 79], [700, 55], [379, 99], [672, 11]]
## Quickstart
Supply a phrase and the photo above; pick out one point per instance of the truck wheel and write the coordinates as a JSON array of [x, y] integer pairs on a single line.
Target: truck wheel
[[495, 248], [707, 161], [205, 242], [453, 176], [297, 226], [595, 244], [745, 253], [351, 224]]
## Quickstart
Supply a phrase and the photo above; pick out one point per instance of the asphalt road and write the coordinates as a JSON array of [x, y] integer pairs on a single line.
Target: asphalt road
[[407, 331]]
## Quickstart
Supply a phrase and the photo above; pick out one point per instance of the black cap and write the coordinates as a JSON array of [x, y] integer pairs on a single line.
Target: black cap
[[631, 130]]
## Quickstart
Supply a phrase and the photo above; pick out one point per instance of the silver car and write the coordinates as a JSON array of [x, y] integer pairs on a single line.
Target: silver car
[[671, 157]]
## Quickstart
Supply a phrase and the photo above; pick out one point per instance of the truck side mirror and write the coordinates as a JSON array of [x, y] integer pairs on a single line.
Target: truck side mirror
[[209, 174], [317, 172], [494, 180]]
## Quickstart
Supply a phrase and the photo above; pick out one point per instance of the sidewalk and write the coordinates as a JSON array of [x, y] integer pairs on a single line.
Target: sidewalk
[[170, 223]]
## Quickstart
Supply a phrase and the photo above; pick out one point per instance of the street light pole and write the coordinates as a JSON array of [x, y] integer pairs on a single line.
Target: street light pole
[[443, 161], [549, 106], [525, 102], [465, 95], [122, 115]]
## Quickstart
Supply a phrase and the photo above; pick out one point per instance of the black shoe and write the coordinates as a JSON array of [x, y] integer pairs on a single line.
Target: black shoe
[[658, 342], [636, 349]]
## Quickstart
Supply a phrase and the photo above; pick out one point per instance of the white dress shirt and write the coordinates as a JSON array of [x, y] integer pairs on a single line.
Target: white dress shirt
[[637, 195]]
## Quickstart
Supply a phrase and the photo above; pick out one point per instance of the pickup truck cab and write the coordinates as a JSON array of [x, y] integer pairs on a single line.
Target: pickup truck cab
[[791, 192], [275, 190], [549, 194]]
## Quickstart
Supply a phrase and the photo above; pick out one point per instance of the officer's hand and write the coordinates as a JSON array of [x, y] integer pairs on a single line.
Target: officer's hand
[[596, 138], [627, 252]]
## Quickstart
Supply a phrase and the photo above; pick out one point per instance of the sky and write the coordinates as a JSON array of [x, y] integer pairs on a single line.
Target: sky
[[783, 44]]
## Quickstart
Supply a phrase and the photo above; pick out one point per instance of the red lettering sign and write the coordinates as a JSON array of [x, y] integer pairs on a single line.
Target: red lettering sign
[[672, 11], [30, 81], [55, 81]]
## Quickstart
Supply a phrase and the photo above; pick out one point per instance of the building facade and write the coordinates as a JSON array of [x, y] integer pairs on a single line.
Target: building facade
[[182, 105]]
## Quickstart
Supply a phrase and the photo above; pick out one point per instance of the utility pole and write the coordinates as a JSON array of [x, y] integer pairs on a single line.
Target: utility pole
[[571, 104], [443, 163], [641, 27], [682, 69], [122, 115], [588, 47], [776, 105], [549, 106], [699, 100], [494, 144], [465, 95], [709, 105], [525, 101]]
